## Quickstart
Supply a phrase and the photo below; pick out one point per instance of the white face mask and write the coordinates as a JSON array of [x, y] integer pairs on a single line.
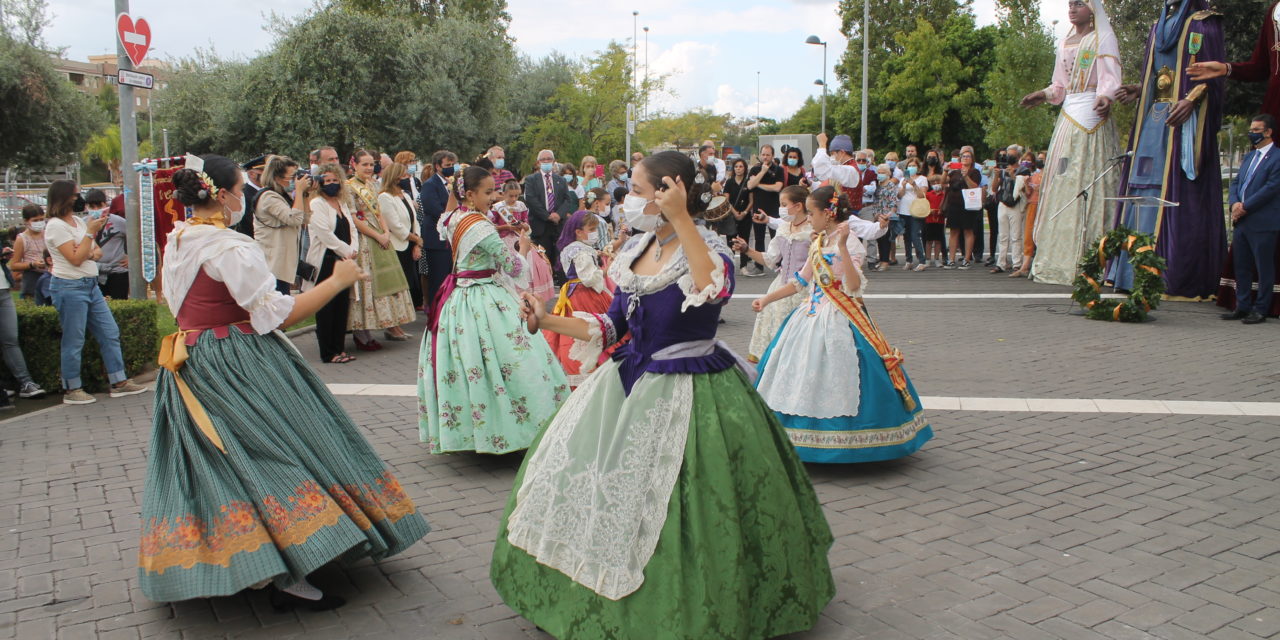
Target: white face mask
[[315, 169], [593, 237], [36, 226], [633, 208], [784, 213], [237, 215]]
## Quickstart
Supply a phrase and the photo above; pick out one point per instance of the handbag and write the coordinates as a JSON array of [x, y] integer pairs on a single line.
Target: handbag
[[920, 208], [972, 199]]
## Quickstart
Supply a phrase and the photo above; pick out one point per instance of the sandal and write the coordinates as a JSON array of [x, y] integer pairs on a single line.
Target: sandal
[[342, 358], [997, 270]]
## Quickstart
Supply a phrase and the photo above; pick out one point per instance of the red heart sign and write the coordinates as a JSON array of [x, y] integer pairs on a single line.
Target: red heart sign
[[134, 36]]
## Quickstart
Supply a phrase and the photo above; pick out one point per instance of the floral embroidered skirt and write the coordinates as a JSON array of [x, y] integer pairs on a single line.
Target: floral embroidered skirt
[[834, 412], [490, 385], [297, 487], [741, 555]]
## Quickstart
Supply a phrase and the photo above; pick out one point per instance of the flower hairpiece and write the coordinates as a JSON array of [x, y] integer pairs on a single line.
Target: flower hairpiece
[[208, 189], [835, 202]]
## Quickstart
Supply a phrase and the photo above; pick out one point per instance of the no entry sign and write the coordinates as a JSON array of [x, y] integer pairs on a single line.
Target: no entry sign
[[135, 37]]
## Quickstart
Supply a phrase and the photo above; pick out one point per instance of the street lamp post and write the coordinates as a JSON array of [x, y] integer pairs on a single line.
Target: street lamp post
[[866, 55], [823, 81], [645, 108], [757, 101]]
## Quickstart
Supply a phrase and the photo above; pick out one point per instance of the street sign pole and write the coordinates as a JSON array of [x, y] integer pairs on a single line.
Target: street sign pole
[[128, 156]]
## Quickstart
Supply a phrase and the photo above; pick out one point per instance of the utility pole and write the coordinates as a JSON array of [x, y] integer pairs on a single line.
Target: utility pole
[[644, 110], [128, 156]]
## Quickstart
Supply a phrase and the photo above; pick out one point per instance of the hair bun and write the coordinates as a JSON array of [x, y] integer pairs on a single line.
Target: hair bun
[[699, 197], [189, 189]]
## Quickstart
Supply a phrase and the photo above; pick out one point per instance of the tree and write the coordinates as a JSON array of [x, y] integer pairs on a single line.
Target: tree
[[44, 121], [589, 115], [347, 79], [1024, 60], [533, 86], [684, 131], [24, 20], [928, 88], [104, 147], [426, 12]]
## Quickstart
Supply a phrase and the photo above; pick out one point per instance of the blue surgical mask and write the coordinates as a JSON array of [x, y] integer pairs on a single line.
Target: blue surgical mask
[[500, 163], [791, 162], [546, 167], [893, 164], [1256, 138], [862, 165], [911, 171]]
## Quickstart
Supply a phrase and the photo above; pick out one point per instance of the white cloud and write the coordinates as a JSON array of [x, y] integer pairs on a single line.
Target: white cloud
[[774, 103], [690, 68]]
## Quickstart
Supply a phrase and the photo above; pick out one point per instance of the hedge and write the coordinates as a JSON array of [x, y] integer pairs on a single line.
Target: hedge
[[40, 335]]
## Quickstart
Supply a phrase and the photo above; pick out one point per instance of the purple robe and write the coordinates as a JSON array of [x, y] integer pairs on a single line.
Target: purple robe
[[1191, 237]]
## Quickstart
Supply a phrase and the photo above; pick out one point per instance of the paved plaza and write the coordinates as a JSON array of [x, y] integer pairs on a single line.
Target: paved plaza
[[1080, 519]]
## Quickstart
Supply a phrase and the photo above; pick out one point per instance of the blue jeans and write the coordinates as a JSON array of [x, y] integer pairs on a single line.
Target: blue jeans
[[913, 237], [81, 306], [12, 353]]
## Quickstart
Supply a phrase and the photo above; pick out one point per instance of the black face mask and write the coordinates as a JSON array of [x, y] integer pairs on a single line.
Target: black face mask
[[405, 184], [332, 189], [78, 206], [933, 162]]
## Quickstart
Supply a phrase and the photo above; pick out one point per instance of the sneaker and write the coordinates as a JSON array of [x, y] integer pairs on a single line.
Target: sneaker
[[882, 267], [950, 264], [965, 266], [126, 388], [78, 396], [756, 272], [31, 390], [920, 267], [908, 266]]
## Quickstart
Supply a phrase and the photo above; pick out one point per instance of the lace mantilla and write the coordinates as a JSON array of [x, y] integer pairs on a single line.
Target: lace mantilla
[[587, 352], [676, 270], [595, 493]]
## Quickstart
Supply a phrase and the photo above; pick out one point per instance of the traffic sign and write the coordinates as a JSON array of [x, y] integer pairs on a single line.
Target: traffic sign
[[135, 79], [135, 37]]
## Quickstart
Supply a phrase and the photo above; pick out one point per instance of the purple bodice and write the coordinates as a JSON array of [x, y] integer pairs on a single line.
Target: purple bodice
[[656, 323]]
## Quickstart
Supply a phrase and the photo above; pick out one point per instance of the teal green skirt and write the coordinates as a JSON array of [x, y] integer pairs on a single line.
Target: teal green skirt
[[742, 554], [297, 487]]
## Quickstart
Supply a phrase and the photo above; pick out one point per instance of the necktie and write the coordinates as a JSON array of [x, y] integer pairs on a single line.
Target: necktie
[[1248, 175], [551, 193]]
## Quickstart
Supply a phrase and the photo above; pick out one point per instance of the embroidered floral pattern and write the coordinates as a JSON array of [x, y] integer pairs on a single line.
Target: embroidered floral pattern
[[243, 527], [449, 416]]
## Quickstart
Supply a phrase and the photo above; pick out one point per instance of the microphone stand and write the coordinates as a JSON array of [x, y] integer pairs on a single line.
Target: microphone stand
[[1082, 202]]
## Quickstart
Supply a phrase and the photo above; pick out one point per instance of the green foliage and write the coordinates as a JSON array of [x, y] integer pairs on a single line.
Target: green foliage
[[426, 12], [1024, 61], [44, 121], [589, 115], [925, 86], [1148, 281], [104, 147], [684, 131], [348, 79], [41, 337], [534, 84]]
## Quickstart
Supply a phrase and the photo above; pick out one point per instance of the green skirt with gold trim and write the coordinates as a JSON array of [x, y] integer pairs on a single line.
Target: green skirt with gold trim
[[296, 488]]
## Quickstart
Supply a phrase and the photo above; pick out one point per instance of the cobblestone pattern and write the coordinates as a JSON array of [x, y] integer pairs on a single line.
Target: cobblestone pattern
[[1023, 526]]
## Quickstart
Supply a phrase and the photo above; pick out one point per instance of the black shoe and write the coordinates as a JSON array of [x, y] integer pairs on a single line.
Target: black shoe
[[1234, 315], [282, 602], [1254, 318]]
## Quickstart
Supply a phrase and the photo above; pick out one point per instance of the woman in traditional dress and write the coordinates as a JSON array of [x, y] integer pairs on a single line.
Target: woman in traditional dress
[[383, 301], [834, 412], [255, 475], [787, 252], [484, 384], [663, 501], [1085, 81], [584, 292]]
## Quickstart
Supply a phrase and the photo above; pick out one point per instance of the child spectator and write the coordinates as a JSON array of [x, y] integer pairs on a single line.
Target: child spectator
[[935, 225]]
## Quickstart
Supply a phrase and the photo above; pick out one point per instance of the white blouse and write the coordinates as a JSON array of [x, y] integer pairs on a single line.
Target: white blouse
[[231, 258]]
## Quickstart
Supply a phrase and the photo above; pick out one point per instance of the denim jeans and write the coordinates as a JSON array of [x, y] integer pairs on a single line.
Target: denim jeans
[[913, 238], [9, 339], [81, 306]]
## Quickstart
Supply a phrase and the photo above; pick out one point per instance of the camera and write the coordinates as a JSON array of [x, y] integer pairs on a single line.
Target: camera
[[1002, 160]]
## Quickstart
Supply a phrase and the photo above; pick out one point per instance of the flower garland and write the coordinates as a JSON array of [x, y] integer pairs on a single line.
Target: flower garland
[[1148, 280]]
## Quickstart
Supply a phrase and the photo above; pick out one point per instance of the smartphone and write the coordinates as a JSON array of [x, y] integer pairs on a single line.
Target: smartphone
[[599, 171]]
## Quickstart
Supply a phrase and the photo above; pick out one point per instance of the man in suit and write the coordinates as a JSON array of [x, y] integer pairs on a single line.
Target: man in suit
[[550, 202], [252, 174], [1255, 212], [433, 198]]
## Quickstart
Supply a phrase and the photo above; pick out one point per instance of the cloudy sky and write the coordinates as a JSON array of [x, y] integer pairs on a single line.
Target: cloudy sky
[[712, 49]]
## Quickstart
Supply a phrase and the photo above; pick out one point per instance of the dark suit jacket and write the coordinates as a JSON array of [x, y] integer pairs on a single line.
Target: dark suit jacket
[[433, 197], [535, 197], [1262, 199]]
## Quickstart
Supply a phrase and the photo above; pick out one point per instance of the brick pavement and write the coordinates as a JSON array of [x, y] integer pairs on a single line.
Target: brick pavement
[[1018, 526]]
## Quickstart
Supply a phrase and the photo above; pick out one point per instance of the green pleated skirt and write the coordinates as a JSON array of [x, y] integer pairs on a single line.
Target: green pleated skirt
[[297, 487], [742, 554]]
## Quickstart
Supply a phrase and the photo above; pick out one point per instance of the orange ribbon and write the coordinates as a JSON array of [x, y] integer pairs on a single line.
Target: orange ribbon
[[173, 354]]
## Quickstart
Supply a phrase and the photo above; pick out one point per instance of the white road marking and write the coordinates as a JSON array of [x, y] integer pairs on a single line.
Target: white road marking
[[999, 405]]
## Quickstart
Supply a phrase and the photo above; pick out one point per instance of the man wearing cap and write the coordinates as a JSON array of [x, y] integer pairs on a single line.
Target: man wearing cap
[[855, 179], [252, 174]]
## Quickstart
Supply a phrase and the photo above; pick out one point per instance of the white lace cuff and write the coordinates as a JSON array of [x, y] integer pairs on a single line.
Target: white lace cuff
[[602, 334], [717, 290], [269, 310]]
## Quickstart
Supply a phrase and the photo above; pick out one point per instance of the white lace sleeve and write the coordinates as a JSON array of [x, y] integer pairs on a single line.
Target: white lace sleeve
[[602, 333], [717, 290], [245, 272], [588, 271]]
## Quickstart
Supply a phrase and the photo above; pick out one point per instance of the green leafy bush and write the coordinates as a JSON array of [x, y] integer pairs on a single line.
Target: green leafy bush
[[40, 335]]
